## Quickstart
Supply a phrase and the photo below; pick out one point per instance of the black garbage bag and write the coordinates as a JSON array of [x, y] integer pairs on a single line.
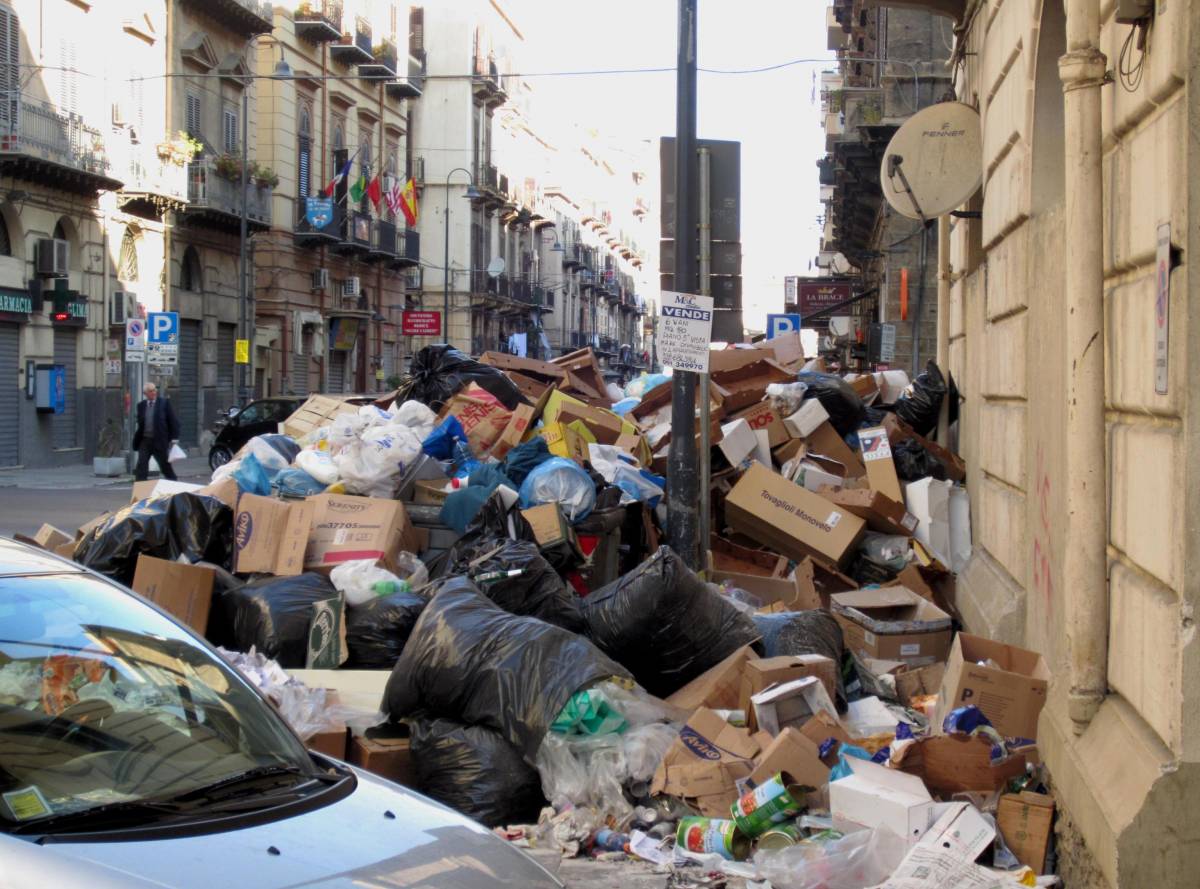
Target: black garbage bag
[[919, 404], [789, 633], [914, 462], [839, 399], [440, 370], [377, 631], [197, 527], [273, 614], [537, 591], [665, 624], [471, 660], [472, 769]]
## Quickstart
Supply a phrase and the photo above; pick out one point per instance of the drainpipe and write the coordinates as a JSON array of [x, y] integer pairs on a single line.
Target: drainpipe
[[322, 365], [1085, 575], [943, 324]]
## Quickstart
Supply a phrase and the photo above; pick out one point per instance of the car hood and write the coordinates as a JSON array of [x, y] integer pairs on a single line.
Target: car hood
[[346, 845]]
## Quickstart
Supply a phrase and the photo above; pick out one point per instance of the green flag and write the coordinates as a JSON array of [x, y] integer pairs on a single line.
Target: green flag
[[359, 188]]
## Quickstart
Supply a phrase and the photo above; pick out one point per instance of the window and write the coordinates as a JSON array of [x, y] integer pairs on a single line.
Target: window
[[338, 143], [5, 243], [229, 130], [192, 121], [68, 77], [416, 31], [190, 275], [127, 269], [10, 58], [304, 153]]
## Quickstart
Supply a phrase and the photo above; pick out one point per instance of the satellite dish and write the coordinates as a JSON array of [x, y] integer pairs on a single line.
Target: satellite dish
[[496, 267], [934, 163]]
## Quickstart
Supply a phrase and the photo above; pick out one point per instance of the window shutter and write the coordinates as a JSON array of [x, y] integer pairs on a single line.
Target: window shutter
[[10, 58], [416, 30], [68, 82], [304, 167], [192, 123], [231, 130]]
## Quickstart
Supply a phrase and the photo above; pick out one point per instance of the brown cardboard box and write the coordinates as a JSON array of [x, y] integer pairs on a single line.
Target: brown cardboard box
[[899, 431], [894, 624], [950, 764], [332, 742], [789, 351], [1025, 820], [805, 421], [729, 557], [1011, 695], [184, 591], [821, 728], [482, 416], [825, 442], [704, 764], [603, 424], [514, 433], [226, 490], [789, 519], [725, 360], [789, 704], [763, 416], [790, 751], [345, 527], [527, 366], [161, 487], [788, 450], [921, 681], [719, 687], [528, 386], [48, 538], [764, 672], [877, 455], [270, 536], [66, 550], [317, 411], [882, 513], [747, 385], [816, 582], [865, 387], [431, 492], [549, 525], [388, 758], [565, 441], [634, 444]]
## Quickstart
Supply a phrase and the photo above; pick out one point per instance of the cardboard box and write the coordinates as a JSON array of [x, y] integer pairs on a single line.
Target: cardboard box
[[789, 519], [894, 624], [891, 383], [226, 490], [805, 421], [877, 455], [790, 704], [529, 387], [929, 501], [389, 758], [875, 796], [719, 687], [1025, 820], [317, 411], [48, 538], [1010, 694], [431, 492], [961, 829], [635, 445], [565, 441], [605, 426], [482, 416], [160, 487], [738, 442], [184, 591], [729, 557], [882, 513], [788, 349], [270, 535], [762, 673], [747, 385], [517, 430], [865, 387], [825, 442], [550, 526], [791, 752], [921, 682], [820, 729], [345, 528], [764, 417], [950, 764], [705, 763], [816, 581], [331, 743], [66, 550]]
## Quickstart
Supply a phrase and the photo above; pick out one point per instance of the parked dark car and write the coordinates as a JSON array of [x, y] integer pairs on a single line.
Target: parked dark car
[[257, 418]]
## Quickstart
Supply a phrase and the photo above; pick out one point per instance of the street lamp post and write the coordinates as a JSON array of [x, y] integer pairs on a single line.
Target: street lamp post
[[471, 194]]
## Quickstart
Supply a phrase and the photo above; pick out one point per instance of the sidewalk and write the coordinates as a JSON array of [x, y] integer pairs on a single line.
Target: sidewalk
[[81, 477]]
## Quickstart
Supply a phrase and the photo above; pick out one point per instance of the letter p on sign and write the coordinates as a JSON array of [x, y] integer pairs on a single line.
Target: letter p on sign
[[778, 325]]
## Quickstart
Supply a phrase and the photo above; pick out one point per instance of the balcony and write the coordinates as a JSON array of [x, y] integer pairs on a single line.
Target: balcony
[[248, 18], [357, 234], [487, 181], [486, 82], [41, 144], [154, 183], [216, 200], [384, 63], [835, 37], [307, 236], [383, 242], [408, 253], [413, 85], [319, 21], [354, 48], [521, 291]]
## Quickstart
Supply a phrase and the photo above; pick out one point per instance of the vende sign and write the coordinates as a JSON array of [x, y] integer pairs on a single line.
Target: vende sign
[[421, 324], [813, 296]]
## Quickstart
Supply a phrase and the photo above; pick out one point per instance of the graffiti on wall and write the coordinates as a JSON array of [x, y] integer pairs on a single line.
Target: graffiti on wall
[[1043, 549]]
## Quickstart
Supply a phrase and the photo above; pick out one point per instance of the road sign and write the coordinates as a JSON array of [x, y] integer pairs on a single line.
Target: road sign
[[685, 331], [135, 335], [887, 343], [421, 324], [112, 365], [135, 357], [162, 353], [777, 325], [241, 352], [162, 327]]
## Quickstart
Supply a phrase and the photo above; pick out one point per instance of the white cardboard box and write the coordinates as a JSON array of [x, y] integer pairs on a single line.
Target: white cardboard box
[[891, 383], [875, 796], [805, 421], [929, 500], [738, 442], [791, 704]]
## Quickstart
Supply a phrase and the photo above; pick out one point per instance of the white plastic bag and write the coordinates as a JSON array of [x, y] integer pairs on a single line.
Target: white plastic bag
[[177, 454], [317, 463], [373, 465], [856, 861], [268, 458], [416, 416], [225, 470], [374, 416], [345, 430], [786, 397], [362, 580]]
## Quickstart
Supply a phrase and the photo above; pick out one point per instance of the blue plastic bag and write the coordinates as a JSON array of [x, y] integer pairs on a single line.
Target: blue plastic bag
[[294, 482], [561, 481], [251, 478], [625, 405], [439, 444], [842, 769]]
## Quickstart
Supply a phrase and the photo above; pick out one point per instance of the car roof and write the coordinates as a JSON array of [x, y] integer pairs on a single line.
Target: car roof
[[18, 559]]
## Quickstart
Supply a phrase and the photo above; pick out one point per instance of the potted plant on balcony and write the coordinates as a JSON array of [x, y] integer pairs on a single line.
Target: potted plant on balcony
[[264, 176], [181, 150], [110, 457], [228, 167]]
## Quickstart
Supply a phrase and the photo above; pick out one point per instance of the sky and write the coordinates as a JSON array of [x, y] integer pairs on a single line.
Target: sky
[[775, 115]]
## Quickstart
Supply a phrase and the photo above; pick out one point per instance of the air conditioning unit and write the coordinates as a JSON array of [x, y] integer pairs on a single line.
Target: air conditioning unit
[[351, 287], [320, 279], [53, 257], [121, 307]]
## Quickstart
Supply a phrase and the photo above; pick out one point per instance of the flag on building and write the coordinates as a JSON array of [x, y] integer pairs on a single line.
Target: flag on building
[[391, 195], [329, 189], [375, 192], [408, 202], [359, 188]]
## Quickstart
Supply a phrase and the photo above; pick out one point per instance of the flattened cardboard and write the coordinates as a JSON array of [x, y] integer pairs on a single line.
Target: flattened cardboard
[[1025, 820], [719, 687], [825, 442], [790, 704], [882, 513], [762, 673], [270, 536], [816, 581], [877, 455], [805, 421], [763, 416], [789, 519], [1011, 697], [317, 411], [705, 763], [875, 796], [482, 416], [564, 441], [184, 591], [893, 623], [950, 764], [790, 751], [346, 528]]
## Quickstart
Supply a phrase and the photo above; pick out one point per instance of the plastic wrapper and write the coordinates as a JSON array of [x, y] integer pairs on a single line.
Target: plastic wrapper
[[469, 658], [293, 482], [274, 451], [373, 464], [840, 401], [560, 481], [377, 631], [251, 478], [665, 624], [415, 416], [920, 403], [514, 575], [858, 860], [196, 527], [344, 430], [786, 398], [271, 614], [788, 633], [374, 415], [440, 441], [472, 769], [440, 370], [318, 464], [621, 471], [888, 551]]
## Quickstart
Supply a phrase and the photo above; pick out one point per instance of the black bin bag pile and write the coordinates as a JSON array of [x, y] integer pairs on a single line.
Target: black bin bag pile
[[272, 614], [377, 631]]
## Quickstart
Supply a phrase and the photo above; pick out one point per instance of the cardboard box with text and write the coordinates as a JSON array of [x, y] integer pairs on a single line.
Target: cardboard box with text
[[894, 624], [1008, 684], [270, 536]]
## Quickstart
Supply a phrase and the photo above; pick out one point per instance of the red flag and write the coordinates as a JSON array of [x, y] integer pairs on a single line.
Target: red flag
[[375, 192]]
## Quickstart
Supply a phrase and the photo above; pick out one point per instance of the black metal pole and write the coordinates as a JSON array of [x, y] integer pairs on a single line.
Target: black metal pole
[[683, 478]]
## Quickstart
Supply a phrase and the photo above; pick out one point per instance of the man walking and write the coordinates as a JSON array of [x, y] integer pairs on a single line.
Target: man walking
[[157, 430]]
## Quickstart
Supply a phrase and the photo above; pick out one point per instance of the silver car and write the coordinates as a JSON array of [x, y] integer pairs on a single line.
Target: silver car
[[132, 756]]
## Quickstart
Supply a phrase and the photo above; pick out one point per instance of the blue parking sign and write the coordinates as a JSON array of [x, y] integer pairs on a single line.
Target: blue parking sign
[[777, 325], [162, 327]]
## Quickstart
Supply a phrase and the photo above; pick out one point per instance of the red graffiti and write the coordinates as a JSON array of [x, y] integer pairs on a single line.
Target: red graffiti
[[1043, 552]]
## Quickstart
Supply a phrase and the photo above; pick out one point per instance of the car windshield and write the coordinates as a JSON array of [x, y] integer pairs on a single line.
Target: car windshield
[[104, 701]]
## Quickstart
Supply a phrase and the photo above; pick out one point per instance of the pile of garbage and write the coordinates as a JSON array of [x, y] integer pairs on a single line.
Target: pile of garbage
[[485, 542]]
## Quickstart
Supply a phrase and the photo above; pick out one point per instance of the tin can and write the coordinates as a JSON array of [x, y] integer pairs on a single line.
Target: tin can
[[713, 836], [773, 802], [781, 836], [610, 840]]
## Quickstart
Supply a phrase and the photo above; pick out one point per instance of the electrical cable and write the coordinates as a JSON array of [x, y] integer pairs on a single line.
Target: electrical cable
[[1129, 74]]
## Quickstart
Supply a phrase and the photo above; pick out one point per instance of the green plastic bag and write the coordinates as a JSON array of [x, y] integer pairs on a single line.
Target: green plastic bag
[[588, 713]]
